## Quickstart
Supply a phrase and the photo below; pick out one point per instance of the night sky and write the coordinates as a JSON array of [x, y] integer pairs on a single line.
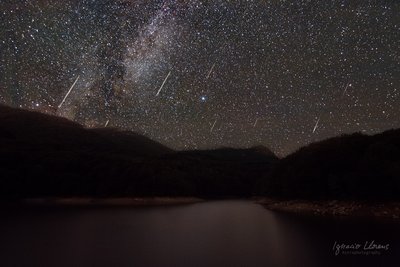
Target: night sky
[[206, 74]]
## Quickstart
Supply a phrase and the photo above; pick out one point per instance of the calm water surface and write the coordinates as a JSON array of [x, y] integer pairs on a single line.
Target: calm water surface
[[220, 233]]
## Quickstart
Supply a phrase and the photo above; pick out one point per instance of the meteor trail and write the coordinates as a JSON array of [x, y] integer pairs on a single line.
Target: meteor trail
[[209, 73], [107, 122], [255, 123], [212, 127], [345, 89], [69, 91], [316, 126], [162, 85]]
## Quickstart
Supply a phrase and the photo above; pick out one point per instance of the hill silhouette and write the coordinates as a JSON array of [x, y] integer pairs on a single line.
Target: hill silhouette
[[23, 129], [257, 154], [354, 166], [47, 156]]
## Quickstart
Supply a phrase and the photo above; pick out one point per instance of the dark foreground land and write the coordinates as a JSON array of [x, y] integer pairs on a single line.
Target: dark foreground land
[[335, 208], [47, 159]]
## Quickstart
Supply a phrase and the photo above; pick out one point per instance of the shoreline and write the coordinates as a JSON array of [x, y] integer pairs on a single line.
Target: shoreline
[[334, 208], [320, 208], [112, 201]]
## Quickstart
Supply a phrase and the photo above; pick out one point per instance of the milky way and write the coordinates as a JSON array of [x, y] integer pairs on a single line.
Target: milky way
[[206, 74]]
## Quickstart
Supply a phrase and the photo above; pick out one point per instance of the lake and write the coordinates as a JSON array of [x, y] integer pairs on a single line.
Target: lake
[[215, 233]]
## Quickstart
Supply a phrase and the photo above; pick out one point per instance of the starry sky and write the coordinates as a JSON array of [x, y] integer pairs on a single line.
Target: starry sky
[[195, 74]]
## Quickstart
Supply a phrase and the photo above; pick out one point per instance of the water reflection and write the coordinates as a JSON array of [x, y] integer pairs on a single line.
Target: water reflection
[[221, 233]]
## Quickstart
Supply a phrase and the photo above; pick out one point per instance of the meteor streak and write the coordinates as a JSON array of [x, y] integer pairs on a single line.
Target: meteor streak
[[212, 127], [209, 73], [345, 89], [69, 91], [162, 85], [316, 126], [255, 123]]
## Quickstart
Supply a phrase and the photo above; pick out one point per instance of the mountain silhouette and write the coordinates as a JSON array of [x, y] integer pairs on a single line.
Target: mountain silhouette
[[33, 130], [253, 154], [354, 166], [48, 156], [44, 155]]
